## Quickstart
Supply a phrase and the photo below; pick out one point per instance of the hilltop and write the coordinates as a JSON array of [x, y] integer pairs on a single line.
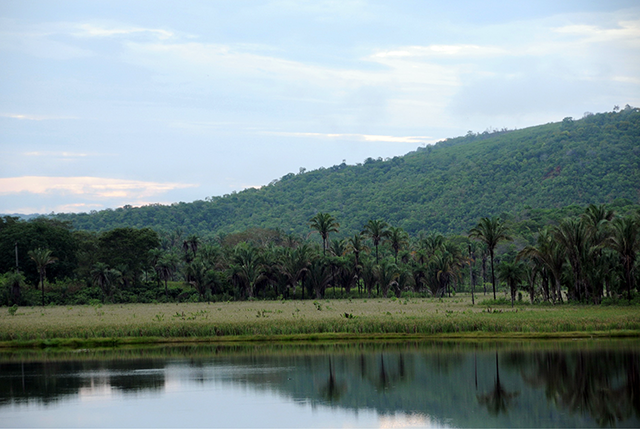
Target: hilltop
[[446, 187]]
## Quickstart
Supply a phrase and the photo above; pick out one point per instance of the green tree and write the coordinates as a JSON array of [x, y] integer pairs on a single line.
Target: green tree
[[376, 230], [128, 248], [104, 277], [42, 258], [245, 268], [573, 237], [324, 224], [14, 281], [491, 232], [387, 274], [624, 240], [166, 266], [40, 233], [294, 265], [397, 238], [511, 273], [549, 254], [318, 277]]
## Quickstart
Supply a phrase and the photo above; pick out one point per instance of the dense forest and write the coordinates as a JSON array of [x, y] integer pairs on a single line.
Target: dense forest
[[443, 188], [585, 258], [435, 222]]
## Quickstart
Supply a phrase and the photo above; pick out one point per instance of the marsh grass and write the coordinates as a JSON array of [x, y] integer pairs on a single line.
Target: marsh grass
[[296, 320]]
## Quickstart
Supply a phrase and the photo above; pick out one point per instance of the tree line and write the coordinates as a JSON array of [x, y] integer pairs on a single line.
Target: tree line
[[584, 258]]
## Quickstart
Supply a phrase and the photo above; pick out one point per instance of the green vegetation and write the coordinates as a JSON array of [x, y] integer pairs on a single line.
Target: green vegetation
[[581, 259], [552, 255], [301, 320], [444, 188]]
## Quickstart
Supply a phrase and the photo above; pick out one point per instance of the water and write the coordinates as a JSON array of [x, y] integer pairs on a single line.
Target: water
[[417, 384]]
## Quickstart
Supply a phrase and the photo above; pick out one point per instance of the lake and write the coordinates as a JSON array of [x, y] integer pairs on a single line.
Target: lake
[[585, 383]]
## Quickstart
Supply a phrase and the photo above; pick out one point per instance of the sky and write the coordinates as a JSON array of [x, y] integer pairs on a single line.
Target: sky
[[108, 103]]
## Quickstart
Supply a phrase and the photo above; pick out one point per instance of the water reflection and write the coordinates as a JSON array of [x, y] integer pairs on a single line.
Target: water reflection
[[498, 400], [604, 384], [414, 384]]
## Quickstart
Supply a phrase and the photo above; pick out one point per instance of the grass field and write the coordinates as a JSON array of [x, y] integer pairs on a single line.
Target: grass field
[[292, 320]]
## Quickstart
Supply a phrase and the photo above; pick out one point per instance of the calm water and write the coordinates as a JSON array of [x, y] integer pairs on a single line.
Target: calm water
[[579, 383]]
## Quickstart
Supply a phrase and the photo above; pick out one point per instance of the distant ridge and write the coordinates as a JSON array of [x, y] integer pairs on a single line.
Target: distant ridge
[[445, 188]]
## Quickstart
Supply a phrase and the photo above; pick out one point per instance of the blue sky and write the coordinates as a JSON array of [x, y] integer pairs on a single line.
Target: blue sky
[[107, 103]]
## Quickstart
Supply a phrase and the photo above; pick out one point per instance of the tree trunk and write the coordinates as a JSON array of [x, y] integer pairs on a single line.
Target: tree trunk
[[493, 276]]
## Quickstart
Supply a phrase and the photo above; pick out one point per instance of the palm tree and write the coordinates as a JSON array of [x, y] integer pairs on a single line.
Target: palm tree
[[625, 241], [573, 236], [387, 274], [324, 223], [491, 232], [550, 255], [201, 276], [166, 266], [368, 275], [191, 244], [13, 281], [445, 265], [511, 273], [104, 276], [398, 238], [42, 258], [376, 230], [318, 276], [245, 268], [432, 242], [356, 246], [295, 265]]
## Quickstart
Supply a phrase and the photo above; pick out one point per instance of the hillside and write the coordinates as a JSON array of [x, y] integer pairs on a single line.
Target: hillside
[[445, 188]]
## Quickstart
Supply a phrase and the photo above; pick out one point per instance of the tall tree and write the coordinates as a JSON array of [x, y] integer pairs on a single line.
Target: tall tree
[[573, 236], [625, 241], [324, 223], [165, 267], [294, 265], [548, 253], [318, 276], [398, 238], [104, 277], [511, 273], [42, 258], [491, 232], [128, 247], [245, 268], [387, 274], [376, 230]]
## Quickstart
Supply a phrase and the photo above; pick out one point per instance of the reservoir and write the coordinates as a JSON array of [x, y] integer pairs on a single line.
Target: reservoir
[[584, 383]]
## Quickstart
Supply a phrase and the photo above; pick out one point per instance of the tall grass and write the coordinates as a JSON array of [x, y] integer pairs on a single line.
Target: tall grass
[[349, 318]]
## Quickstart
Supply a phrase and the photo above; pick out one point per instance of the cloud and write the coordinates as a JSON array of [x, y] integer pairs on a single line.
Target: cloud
[[57, 154], [87, 187], [90, 30], [35, 117], [75, 207], [360, 137], [442, 51], [627, 31]]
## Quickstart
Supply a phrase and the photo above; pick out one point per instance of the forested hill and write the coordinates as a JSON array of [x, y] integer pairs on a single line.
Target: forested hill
[[445, 188]]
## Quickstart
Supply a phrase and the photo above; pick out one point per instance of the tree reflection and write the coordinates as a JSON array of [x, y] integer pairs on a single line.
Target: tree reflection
[[332, 391], [499, 399], [604, 385]]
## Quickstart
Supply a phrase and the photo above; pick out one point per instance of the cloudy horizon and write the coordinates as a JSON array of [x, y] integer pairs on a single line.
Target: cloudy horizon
[[108, 103]]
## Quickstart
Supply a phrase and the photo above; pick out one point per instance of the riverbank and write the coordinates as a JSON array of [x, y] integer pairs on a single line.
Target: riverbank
[[326, 320]]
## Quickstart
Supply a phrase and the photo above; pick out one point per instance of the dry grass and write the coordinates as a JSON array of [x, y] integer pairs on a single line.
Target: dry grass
[[416, 316]]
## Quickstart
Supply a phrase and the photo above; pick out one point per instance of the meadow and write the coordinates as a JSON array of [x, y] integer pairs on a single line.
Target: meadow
[[306, 320]]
